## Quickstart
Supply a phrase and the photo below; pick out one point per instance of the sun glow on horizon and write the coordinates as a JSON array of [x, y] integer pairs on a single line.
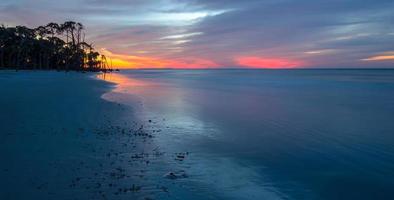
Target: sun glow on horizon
[[124, 61], [268, 63]]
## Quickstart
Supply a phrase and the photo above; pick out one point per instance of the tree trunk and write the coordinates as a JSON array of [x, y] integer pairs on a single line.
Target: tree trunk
[[2, 58], [39, 61], [17, 60], [73, 37]]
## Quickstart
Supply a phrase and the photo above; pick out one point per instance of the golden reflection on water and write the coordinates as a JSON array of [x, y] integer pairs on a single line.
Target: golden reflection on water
[[159, 100], [123, 83]]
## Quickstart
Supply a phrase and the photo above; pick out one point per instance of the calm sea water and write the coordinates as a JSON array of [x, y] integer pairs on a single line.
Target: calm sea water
[[270, 134]]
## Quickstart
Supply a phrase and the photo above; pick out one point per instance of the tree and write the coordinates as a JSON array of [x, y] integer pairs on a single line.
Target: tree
[[44, 48]]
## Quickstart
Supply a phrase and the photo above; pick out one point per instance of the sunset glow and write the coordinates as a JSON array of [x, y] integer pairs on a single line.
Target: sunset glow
[[138, 62], [224, 34], [269, 63]]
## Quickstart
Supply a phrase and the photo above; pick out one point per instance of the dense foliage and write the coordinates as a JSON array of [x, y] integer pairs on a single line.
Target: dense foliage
[[54, 46]]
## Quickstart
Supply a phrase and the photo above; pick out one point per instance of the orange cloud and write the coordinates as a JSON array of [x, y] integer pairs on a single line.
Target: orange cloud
[[385, 57], [269, 63], [136, 62]]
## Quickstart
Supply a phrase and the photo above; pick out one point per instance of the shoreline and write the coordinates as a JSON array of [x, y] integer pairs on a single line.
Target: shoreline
[[74, 142]]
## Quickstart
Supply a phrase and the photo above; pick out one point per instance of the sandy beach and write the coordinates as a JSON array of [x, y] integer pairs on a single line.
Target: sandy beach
[[60, 140]]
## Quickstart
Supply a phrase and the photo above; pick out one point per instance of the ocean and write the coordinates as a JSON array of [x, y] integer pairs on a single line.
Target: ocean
[[270, 134]]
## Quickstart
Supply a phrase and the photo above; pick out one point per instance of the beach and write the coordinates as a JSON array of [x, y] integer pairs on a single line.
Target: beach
[[197, 134], [58, 137]]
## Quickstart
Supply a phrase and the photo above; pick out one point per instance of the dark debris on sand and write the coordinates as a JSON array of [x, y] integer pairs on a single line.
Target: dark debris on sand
[[121, 166]]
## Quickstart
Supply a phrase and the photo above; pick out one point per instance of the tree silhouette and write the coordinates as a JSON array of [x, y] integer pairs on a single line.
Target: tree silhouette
[[54, 46]]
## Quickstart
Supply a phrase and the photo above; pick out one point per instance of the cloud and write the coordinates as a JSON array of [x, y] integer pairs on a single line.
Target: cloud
[[386, 56], [338, 33]]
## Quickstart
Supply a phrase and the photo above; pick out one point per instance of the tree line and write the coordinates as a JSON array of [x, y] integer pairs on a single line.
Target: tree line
[[52, 47]]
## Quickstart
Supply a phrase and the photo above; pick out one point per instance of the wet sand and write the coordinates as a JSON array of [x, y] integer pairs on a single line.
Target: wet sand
[[61, 140]]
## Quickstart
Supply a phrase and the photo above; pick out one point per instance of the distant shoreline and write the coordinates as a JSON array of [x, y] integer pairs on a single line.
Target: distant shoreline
[[268, 69], [55, 70]]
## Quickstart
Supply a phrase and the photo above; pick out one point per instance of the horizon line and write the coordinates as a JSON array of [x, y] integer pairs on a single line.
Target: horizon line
[[231, 68]]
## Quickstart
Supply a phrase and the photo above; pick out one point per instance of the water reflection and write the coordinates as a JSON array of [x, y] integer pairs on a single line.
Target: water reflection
[[159, 100], [303, 134], [181, 127], [123, 83]]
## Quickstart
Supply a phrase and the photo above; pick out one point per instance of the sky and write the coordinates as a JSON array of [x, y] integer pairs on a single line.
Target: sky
[[225, 33]]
